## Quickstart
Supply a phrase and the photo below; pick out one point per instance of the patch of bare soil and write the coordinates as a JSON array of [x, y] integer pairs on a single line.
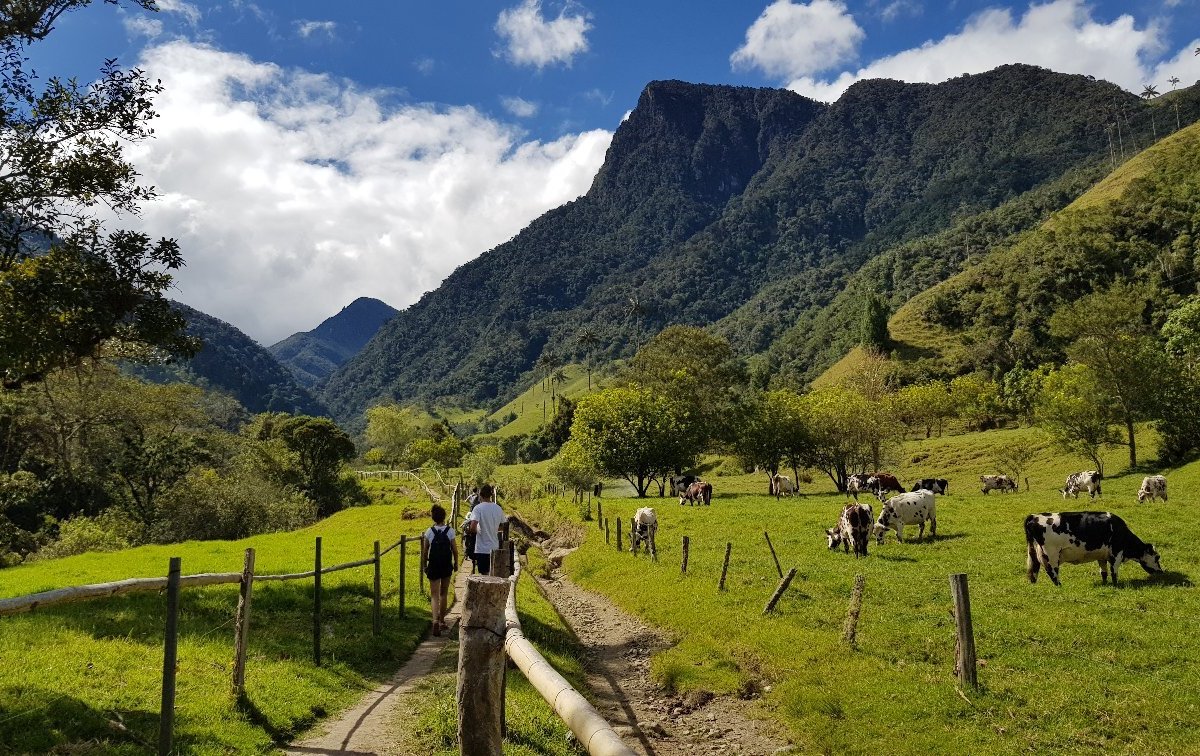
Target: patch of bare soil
[[653, 722]]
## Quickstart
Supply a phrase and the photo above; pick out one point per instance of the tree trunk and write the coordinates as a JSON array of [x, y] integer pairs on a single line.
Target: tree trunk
[[1132, 443]]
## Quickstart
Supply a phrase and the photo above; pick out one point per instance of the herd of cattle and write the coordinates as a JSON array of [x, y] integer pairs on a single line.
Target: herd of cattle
[[1053, 538]]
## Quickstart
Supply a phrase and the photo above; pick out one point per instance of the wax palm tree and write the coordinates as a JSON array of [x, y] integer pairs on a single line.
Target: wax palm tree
[[1174, 82], [1149, 92], [588, 339], [636, 310]]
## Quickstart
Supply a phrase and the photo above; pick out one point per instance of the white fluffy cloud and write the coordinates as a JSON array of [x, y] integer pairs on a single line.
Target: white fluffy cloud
[[797, 39], [1061, 35], [307, 29], [529, 39], [292, 193], [519, 106]]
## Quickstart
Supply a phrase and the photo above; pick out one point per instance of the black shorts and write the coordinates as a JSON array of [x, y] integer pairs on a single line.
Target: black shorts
[[483, 562]]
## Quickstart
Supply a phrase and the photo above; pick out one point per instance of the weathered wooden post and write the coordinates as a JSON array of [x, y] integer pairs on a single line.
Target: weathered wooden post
[[377, 614], [965, 646], [403, 549], [606, 532], [589, 495], [850, 631], [600, 514], [772, 548], [241, 625], [725, 567], [166, 721], [481, 662], [501, 566], [619, 535], [317, 604], [686, 543], [778, 594]]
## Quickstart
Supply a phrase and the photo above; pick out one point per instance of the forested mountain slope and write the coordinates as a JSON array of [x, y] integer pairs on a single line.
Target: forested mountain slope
[[715, 198], [232, 362], [313, 356]]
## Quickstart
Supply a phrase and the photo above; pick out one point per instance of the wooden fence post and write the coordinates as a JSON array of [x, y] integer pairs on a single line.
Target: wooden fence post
[[619, 535], [606, 532], [317, 604], [686, 543], [600, 514], [850, 631], [772, 548], [166, 721], [481, 662], [965, 646], [241, 629], [501, 567], [403, 549], [377, 614], [725, 567], [778, 594]]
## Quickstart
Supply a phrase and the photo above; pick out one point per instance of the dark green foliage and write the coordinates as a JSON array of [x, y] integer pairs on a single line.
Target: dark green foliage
[[312, 356], [755, 204], [322, 449], [873, 328], [232, 362]]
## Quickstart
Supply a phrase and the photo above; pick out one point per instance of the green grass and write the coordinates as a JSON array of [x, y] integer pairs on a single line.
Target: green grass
[[430, 724], [67, 671], [1085, 668], [528, 406]]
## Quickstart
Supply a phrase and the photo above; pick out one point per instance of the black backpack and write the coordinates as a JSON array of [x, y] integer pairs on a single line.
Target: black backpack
[[440, 560]]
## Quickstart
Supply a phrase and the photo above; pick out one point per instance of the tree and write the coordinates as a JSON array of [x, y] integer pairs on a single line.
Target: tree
[[634, 434], [976, 399], [1179, 413], [68, 287], [771, 430], [873, 327], [636, 309], [1019, 389], [925, 405], [321, 449], [1013, 458], [574, 468], [392, 429], [1075, 414], [479, 465], [1107, 331], [848, 432], [1149, 92], [589, 341]]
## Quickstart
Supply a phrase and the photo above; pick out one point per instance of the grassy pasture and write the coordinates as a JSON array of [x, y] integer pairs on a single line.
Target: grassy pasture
[[1086, 668], [67, 671]]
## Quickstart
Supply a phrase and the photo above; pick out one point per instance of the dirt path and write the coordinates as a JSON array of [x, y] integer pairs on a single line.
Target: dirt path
[[364, 729], [618, 649]]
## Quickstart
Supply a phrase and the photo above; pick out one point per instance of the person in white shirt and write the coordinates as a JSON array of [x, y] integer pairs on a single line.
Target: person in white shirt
[[439, 560], [485, 520]]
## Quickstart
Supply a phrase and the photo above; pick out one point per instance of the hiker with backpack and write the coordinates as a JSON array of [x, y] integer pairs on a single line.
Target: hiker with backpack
[[439, 560], [484, 521]]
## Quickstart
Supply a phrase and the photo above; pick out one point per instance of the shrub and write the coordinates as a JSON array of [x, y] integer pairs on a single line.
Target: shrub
[[80, 535]]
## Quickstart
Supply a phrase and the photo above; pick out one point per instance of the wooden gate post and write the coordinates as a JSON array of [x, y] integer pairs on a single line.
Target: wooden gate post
[[403, 549], [725, 567], [965, 656], [686, 543], [377, 614], [772, 548], [481, 662], [317, 603], [166, 721], [241, 629]]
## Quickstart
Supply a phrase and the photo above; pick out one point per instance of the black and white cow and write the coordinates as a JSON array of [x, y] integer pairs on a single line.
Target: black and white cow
[[881, 483], [697, 493], [933, 485], [1055, 538], [679, 483], [907, 509], [1153, 487], [856, 484], [1001, 483], [1088, 480], [853, 529], [642, 530]]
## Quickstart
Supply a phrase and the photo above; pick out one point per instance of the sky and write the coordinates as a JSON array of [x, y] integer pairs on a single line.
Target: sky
[[310, 153]]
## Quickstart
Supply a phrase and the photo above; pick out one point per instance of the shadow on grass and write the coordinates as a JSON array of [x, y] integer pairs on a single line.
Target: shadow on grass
[[1164, 579], [893, 557], [38, 720]]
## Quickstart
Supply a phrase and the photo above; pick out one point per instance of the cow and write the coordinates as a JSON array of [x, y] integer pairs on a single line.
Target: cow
[[1055, 538], [1088, 480], [1001, 483], [642, 530], [853, 529], [907, 509], [884, 482], [679, 483], [697, 492], [782, 485], [1153, 486], [857, 483], [933, 485]]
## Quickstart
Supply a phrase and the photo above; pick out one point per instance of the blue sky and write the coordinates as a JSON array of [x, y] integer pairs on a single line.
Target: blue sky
[[309, 153]]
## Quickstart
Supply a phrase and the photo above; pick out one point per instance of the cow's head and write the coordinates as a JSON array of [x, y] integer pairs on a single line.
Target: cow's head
[[882, 524], [1149, 560], [834, 537]]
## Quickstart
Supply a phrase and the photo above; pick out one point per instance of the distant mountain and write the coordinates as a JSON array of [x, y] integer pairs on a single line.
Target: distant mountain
[[232, 362], [751, 209], [313, 356]]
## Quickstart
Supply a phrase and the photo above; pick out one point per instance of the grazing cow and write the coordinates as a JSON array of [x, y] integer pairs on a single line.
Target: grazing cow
[[1153, 486], [679, 483], [1001, 483], [884, 482], [933, 485], [1088, 480], [1055, 538], [856, 483], [642, 530], [697, 492], [782, 485], [907, 509], [853, 529]]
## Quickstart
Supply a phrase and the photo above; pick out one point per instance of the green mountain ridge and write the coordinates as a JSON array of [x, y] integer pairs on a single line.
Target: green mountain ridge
[[313, 356]]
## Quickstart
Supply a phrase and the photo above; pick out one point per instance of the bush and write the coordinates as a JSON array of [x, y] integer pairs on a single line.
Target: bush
[[80, 535], [208, 506]]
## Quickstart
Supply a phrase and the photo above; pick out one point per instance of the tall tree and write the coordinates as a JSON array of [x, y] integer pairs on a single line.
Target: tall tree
[[322, 449], [873, 326], [1073, 412], [589, 341], [1149, 92]]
